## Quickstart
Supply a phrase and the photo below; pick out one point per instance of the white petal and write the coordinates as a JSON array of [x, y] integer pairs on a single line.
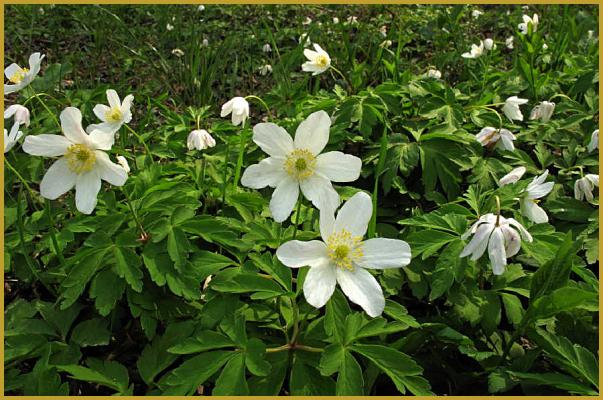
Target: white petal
[[226, 108], [320, 192], [479, 242], [355, 215], [512, 241], [10, 111], [107, 127], [100, 110], [384, 253], [296, 254], [113, 99], [12, 70], [110, 171], [363, 289], [87, 187], [540, 190], [59, 179], [268, 172], [71, 123], [525, 235], [126, 108], [8, 89], [313, 132], [272, 139], [310, 54], [496, 252], [533, 211], [46, 145], [327, 223], [320, 284], [283, 199], [512, 176], [101, 140], [339, 167]]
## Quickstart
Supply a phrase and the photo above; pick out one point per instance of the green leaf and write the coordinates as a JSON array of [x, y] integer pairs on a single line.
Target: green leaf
[[255, 353], [564, 299], [350, 381], [555, 273], [336, 313], [108, 373], [305, 380], [92, 332], [231, 381], [400, 314], [271, 384], [75, 282], [184, 380], [331, 359], [127, 265], [177, 246], [106, 289], [513, 308], [203, 341], [556, 380], [428, 242]]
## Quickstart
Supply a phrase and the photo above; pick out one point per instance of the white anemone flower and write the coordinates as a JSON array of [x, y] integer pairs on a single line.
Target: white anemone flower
[[21, 77], [266, 48], [319, 60], [200, 139], [83, 162], [501, 236], [583, 188], [201, 8], [169, 27], [238, 107], [594, 141], [511, 108], [509, 42], [489, 44], [11, 139], [114, 115], [543, 111], [343, 257], [433, 73], [335, 20], [537, 189], [476, 51], [523, 27], [121, 160], [500, 138], [296, 164], [512, 176], [20, 113], [265, 69], [476, 13]]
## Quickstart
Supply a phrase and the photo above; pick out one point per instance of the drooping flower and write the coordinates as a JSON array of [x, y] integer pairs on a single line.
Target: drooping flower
[[343, 257], [83, 162], [21, 77], [489, 44], [594, 141], [383, 30], [433, 73], [114, 115], [499, 138], [11, 139], [20, 113], [265, 69], [266, 48], [527, 21], [200, 139], [583, 188], [296, 164], [476, 51], [335, 20], [121, 160], [201, 8], [205, 43], [318, 60], [509, 42], [178, 52], [512, 176], [238, 107], [307, 21], [511, 108], [537, 189], [476, 13], [543, 111], [169, 27], [501, 236]]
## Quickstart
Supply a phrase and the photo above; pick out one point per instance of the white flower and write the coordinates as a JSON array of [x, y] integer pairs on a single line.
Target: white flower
[[335, 20], [319, 60], [529, 203], [204, 43], [476, 51], [304, 40], [21, 77], [386, 44], [489, 44], [591, 35], [239, 107], [583, 188], [20, 113], [523, 27], [200, 139], [383, 30], [265, 69], [343, 257], [476, 13], [501, 138], [114, 115], [178, 52], [509, 42], [169, 27], [543, 111], [352, 20], [201, 8], [433, 73], [497, 234], [512, 176], [594, 141], [266, 48], [544, 46], [121, 160], [83, 163], [10, 140], [511, 108], [297, 163], [307, 21]]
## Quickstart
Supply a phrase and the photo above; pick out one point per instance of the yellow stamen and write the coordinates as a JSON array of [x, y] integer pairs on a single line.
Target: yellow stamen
[[300, 164], [18, 76], [322, 60], [80, 158], [113, 115], [343, 249]]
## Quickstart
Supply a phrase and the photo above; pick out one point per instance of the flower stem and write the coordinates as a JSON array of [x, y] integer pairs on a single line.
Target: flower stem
[[52, 231], [297, 214], [18, 175], [347, 81], [380, 165], [239, 165], [497, 210], [141, 140], [48, 110], [133, 211], [225, 172], [261, 101]]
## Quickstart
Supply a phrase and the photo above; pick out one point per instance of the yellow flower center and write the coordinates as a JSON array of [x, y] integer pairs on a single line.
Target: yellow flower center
[[80, 158], [322, 60], [343, 249], [113, 115], [300, 164], [18, 76]]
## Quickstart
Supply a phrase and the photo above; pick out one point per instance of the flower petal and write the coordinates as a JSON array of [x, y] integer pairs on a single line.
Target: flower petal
[[100, 110], [319, 285], [101, 140], [110, 171], [71, 123], [355, 215], [46, 145], [113, 99], [326, 222], [382, 253], [268, 172], [313, 132], [283, 199], [363, 289], [320, 192], [12, 70], [87, 187], [496, 252], [272, 139], [296, 254], [479, 242], [59, 179], [512, 241], [339, 167]]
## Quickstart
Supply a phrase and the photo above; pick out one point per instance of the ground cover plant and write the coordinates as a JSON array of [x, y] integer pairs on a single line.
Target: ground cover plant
[[301, 200]]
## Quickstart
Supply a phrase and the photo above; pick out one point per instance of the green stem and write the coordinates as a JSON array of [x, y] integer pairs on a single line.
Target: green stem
[[295, 322], [133, 211], [297, 214], [141, 140], [52, 232], [225, 172], [239, 166], [21, 229], [347, 81], [48, 110], [250, 97], [380, 165], [18, 175]]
